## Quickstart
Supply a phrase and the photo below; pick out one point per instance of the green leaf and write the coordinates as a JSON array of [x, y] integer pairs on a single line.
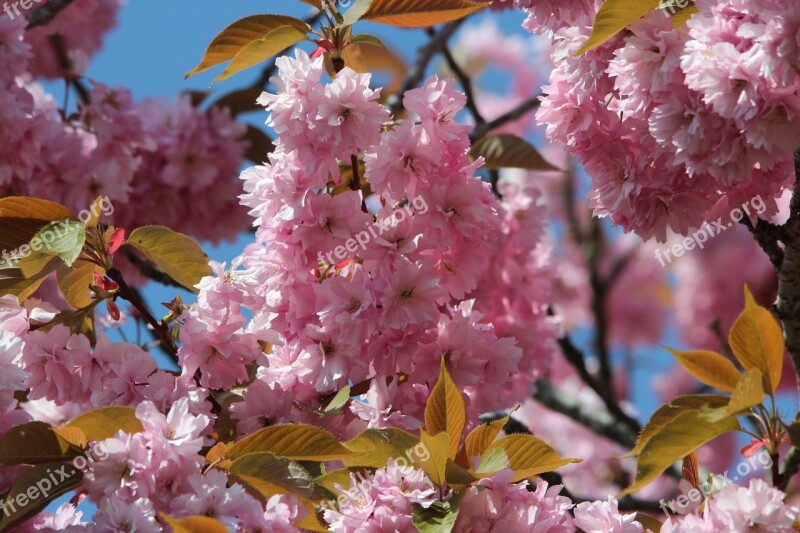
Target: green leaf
[[416, 14], [63, 239], [458, 476], [250, 41], [437, 518], [74, 283], [756, 339], [37, 482], [508, 151], [374, 447], [355, 12], [669, 411], [674, 440], [292, 441], [614, 16], [366, 38], [338, 401], [529, 456], [174, 253], [33, 443], [271, 475], [709, 367], [445, 410], [105, 422], [749, 393], [492, 461]]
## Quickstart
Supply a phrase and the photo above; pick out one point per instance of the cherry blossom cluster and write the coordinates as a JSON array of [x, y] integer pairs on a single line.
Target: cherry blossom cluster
[[675, 126], [166, 156]]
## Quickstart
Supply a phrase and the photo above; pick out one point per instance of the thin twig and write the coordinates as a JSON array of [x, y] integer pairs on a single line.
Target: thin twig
[[132, 296], [464, 80], [425, 55], [516, 113]]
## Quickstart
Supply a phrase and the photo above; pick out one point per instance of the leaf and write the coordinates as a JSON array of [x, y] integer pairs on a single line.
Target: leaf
[[529, 456], [492, 461], [364, 56], [757, 342], [174, 253], [419, 14], [374, 447], [33, 208], [508, 151], [340, 476], [271, 475], [674, 440], [615, 15], [355, 12], [709, 367], [435, 465], [445, 410], [366, 38], [439, 517], [105, 422], [648, 522], [37, 481], [15, 232], [669, 411], [749, 392], [74, 283], [250, 41], [33, 443], [683, 15], [194, 524], [480, 438], [690, 470], [292, 441], [63, 238], [94, 212], [455, 475], [14, 282], [338, 401]]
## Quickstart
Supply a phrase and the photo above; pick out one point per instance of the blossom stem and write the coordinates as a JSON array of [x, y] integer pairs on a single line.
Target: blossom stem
[[127, 293]]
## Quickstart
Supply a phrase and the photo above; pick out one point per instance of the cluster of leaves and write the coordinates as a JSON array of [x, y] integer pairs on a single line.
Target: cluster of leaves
[[42, 237], [292, 458], [676, 430], [256, 38], [616, 15]]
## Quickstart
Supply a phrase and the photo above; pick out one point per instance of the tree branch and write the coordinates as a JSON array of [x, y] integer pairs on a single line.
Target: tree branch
[[788, 305], [425, 55], [465, 82], [599, 422], [46, 13], [516, 113], [133, 297], [767, 236]]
